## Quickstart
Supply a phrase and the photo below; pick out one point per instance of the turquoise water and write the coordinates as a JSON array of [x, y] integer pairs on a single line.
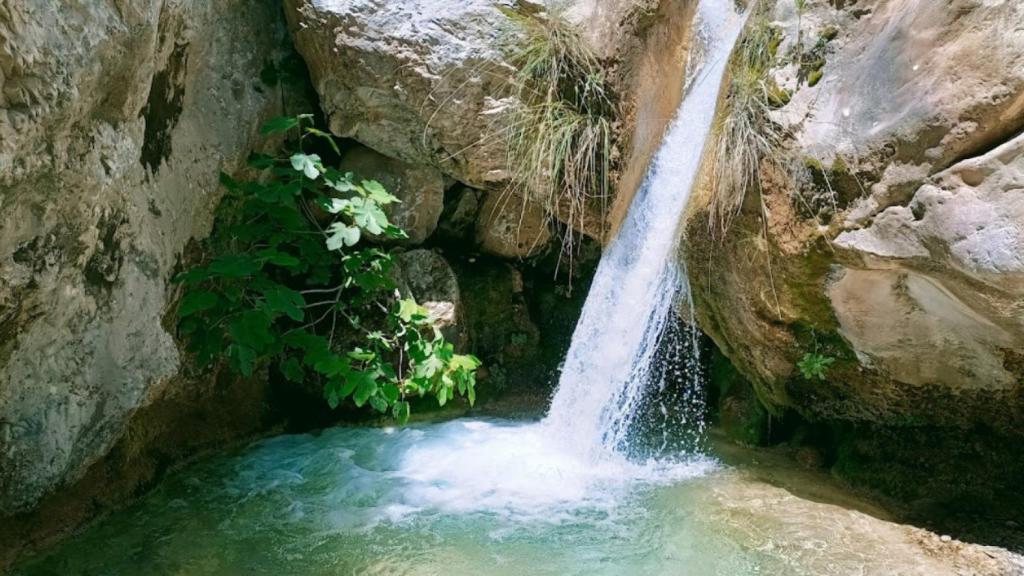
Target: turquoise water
[[464, 497], [477, 497]]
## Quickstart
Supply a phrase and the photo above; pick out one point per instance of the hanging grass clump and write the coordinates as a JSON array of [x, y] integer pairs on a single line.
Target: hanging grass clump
[[561, 140]]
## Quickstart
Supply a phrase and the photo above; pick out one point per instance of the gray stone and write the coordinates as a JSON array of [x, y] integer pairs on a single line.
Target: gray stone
[[421, 81], [419, 188], [425, 276], [511, 227], [115, 120]]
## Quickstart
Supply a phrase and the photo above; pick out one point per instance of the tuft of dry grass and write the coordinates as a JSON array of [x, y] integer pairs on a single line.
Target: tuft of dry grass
[[746, 136], [561, 139]]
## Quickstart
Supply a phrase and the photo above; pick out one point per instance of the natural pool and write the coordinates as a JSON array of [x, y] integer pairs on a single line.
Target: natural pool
[[483, 496]]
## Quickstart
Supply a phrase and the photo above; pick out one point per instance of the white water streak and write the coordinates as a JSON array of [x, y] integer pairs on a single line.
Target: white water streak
[[609, 364]]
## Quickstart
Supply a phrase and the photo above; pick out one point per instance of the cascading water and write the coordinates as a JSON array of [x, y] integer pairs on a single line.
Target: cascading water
[[627, 316]]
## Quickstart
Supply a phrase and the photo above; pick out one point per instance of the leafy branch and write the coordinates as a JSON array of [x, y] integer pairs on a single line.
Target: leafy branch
[[293, 284]]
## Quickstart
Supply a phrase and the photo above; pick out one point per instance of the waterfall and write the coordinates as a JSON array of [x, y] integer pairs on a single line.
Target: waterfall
[[629, 312]]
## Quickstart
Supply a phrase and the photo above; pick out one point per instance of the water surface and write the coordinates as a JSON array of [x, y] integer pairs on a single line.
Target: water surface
[[472, 497]]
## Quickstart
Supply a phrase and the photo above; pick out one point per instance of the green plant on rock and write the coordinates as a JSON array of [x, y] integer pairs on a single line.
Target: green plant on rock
[[814, 365], [293, 283], [561, 138]]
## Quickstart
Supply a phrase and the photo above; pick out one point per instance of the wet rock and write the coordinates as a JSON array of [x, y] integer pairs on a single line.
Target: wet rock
[[498, 317]]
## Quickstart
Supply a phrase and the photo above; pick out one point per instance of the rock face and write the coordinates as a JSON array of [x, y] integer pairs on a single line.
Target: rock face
[[427, 82], [910, 81], [939, 298], [898, 251], [115, 120], [915, 284]]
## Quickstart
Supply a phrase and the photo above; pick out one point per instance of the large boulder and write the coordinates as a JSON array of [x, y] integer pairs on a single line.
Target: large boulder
[[420, 81], [511, 227], [115, 120]]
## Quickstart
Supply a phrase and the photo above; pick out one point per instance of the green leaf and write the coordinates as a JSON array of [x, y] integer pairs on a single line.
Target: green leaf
[[252, 330], [333, 365], [243, 359], [376, 192], [308, 164], [348, 387], [279, 258], [338, 205], [234, 266], [196, 301], [286, 301], [279, 124], [292, 370], [379, 404], [366, 386], [390, 392], [340, 235], [368, 215], [408, 309], [464, 362], [430, 366], [342, 184], [401, 411]]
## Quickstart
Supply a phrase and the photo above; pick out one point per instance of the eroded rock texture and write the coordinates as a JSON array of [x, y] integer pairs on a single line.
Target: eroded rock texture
[[115, 120], [899, 251], [889, 239]]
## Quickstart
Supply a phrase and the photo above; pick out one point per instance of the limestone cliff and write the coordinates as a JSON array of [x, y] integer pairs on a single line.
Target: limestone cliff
[[115, 120], [891, 236]]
